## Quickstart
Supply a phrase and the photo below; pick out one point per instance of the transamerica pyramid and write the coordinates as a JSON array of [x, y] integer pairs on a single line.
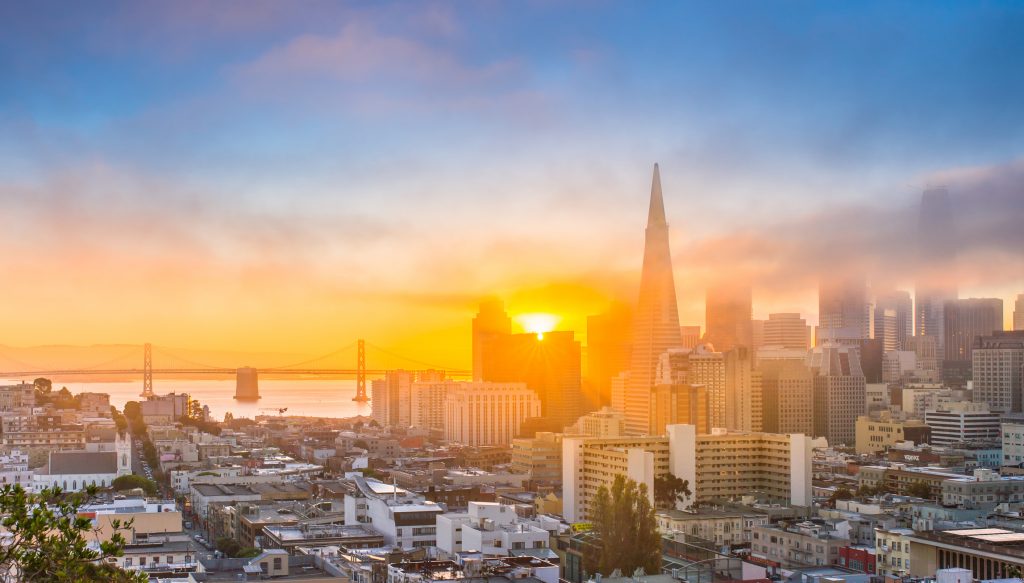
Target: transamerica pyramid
[[656, 323]]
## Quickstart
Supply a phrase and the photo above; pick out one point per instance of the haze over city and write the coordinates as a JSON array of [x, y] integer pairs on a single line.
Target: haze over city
[[251, 177]]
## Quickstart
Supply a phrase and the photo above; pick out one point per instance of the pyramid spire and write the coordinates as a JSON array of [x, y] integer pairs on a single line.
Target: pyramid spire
[[656, 213]]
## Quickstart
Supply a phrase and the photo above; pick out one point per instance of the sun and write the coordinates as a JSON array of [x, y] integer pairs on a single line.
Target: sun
[[538, 323]]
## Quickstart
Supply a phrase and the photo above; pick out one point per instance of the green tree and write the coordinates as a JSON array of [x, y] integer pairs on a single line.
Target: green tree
[[47, 541], [626, 533], [840, 493], [919, 489], [43, 385], [228, 546], [132, 481], [669, 489]]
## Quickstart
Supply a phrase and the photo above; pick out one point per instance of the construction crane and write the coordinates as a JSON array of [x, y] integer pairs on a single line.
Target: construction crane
[[280, 411]]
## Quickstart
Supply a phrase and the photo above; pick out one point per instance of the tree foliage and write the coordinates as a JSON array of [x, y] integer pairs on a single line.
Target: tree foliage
[[626, 533], [132, 481], [47, 539], [919, 489], [669, 489], [840, 493]]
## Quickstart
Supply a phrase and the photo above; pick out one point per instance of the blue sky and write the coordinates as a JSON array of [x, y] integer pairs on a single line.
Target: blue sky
[[489, 147]]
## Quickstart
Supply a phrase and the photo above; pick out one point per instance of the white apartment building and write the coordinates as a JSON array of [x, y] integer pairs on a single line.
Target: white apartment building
[[14, 469], [487, 413], [721, 465], [490, 528], [1013, 441], [962, 422], [404, 518]]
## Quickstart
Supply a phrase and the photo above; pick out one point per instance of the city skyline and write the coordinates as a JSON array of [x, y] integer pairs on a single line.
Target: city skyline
[[378, 172]]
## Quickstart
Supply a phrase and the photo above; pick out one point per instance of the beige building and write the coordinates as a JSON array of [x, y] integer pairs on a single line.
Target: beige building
[[605, 422], [721, 526], [787, 330], [718, 466], [875, 434], [989, 553], [892, 552], [539, 457], [800, 545], [787, 391], [680, 403], [487, 413]]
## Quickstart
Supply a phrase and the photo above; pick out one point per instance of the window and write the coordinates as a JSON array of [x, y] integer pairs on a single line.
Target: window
[[277, 563]]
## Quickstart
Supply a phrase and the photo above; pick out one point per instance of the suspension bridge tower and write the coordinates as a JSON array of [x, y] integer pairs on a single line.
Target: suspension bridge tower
[[147, 370], [361, 373]]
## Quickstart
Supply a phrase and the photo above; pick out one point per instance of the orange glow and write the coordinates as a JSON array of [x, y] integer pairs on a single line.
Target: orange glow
[[538, 323]]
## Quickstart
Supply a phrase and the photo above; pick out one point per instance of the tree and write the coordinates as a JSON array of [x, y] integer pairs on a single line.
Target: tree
[[132, 481], [43, 385], [228, 546], [47, 541], [840, 493], [919, 489], [669, 489], [626, 534]]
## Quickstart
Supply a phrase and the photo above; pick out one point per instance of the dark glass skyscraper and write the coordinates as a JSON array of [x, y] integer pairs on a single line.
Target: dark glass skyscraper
[[936, 273]]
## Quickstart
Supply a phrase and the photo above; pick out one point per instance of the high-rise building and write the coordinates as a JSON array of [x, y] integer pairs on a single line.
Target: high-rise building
[[656, 320], [787, 388], [839, 392], [690, 335], [787, 330], [728, 311], [936, 253], [549, 364], [964, 321], [926, 353], [392, 396], [1018, 312], [894, 319], [756, 335], [485, 413], [490, 322], [706, 367], [998, 370], [744, 404], [845, 312], [680, 403], [608, 351]]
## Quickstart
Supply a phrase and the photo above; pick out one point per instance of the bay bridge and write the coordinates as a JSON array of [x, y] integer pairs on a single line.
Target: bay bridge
[[246, 377]]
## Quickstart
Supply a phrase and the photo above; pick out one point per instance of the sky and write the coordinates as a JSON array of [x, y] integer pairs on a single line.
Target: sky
[[289, 176]]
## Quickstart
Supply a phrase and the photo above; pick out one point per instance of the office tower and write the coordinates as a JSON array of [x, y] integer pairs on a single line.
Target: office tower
[[743, 397], [845, 314], [392, 396], [926, 352], [656, 320], [680, 403], [786, 330], [548, 364], [719, 466], [787, 389], [963, 322], [756, 335], [998, 370], [898, 366], [427, 403], [706, 367], [728, 313], [486, 413], [936, 253], [959, 422], [690, 335], [490, 322], [608, 351], [894, 319], [839, 392], [1018, 312]]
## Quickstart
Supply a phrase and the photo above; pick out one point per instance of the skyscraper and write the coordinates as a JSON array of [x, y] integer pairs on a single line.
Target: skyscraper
[[894, 309], [786, 330], [691, 336], [839, 391], [490, 322], [548, 364], [845, 314], [936, 251], [608, 352], [998, 370], [728, 311], [656, 320], [963, 322], [1018, 313]]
